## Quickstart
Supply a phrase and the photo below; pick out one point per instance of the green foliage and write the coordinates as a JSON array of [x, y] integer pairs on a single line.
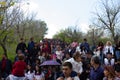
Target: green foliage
[[69, 35], [31, 28], [104, 40], [11, 51], [15, 24]]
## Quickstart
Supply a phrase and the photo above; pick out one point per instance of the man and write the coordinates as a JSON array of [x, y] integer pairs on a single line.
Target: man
[[76, 63], [85, 45], [96, 72], [5, 66], [68, 73], [31, 45], [21, 46]]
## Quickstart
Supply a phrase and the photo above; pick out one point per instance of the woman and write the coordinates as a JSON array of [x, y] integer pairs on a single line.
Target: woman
[[29, 74], [100, 50], [38, 74], [108, 48], [59, 53]]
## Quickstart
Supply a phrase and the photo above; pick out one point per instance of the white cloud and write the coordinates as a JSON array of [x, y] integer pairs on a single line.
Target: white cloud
[[52, 30], [58, 18], [84, 27]]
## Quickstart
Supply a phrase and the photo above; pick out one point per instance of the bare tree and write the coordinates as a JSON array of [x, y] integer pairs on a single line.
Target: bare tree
[[94, 34], [108, 17], [7, 18]]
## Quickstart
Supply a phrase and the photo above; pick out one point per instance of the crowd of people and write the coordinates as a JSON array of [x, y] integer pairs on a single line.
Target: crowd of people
[[77, 61]]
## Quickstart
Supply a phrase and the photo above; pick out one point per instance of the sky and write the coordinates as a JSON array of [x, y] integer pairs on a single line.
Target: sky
[[60, 14]]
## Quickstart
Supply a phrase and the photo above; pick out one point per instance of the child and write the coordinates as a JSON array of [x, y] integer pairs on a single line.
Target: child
[[109, 60], [38, 74], [29, 72]]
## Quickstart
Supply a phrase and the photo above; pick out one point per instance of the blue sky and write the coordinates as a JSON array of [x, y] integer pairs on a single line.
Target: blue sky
[[59, 14]]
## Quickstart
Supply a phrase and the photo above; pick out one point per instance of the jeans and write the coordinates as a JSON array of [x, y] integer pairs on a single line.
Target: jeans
[[117, 54]]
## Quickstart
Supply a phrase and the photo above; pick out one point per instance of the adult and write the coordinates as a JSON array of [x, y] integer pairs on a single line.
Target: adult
[[117, 50], [5, 66], [31, 45], [21, 46], [19, 68], [96, 72], [99, 49], [59, 53], [86, 66], [76, 63], [108, 48], [85, 44], [68, 72]]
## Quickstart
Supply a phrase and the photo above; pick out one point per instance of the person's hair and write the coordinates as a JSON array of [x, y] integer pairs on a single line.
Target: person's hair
[[31, 69], [31, 39], [95, 59], [21, 39], [100, 43], [5, 55], [39, 71], [68, 54], [21, 56], [85, 39], [68, 64], [76, 55], [37, 60], [111, 71], [108, 43]]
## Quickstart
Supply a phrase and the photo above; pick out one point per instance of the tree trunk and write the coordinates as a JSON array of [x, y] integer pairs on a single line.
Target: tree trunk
[[4, 48], [116, 38]]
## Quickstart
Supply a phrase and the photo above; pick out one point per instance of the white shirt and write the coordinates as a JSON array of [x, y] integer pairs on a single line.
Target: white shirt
[[39, 77], [59, 55], [29, 75], [106, 49], [112, 61], [78, 48], [77, 66]]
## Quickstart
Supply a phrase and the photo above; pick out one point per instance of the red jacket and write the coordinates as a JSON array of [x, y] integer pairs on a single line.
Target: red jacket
[[19, 68]]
